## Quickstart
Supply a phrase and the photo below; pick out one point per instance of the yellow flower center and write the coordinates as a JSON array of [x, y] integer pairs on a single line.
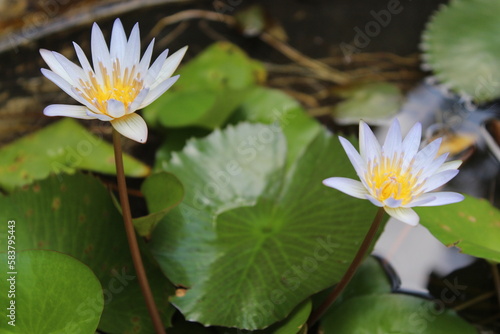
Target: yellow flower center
[[386, 178], [116, 85]]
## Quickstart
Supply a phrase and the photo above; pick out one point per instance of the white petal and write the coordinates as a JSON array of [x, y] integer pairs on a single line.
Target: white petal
[[442, 198], [63, 84], [437, 180], [431, 169], [169, 67], [392, 202], [118, 43], [133, 53], [82, 58], [67, 110], [155, 68], [100, 52], [392, 143], [158, 91], [347, 186], [73, 70], [421, 200], [354, 157], [405, 215], [374, 201], [132, 126], [411, 143], [115, 108], [369, 147], [449, 165], [138, 101], [426, 155], [146, 58], [54, 65], [99, 116]]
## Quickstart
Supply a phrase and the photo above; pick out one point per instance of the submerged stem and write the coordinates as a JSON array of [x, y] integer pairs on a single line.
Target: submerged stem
[[330, 299], [132, 240]]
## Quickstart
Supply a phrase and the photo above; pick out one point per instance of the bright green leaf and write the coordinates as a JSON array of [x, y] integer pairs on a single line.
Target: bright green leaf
[[50, 292], [375, 103], [76, 216], [163, 191], [367, 305], [62, 147], [472, 225], [210, 87], [272, 106], [370, 278], [461, 47], [253, 238], [393, 313]]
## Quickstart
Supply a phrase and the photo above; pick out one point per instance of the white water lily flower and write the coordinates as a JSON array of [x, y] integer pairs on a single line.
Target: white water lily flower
[[118, 84], [397, 176]]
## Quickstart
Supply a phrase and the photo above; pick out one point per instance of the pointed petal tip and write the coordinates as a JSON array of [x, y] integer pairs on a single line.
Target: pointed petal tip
[[348, 186]]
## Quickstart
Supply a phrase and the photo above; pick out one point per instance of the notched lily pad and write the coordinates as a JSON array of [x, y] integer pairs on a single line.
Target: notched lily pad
[[255, 237], [472, 225]]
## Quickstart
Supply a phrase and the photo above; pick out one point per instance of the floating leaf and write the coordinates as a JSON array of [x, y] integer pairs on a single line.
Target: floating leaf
[[393, 313], [368, 306], [272, 106], [252, 238], [461, 46], [76, 216], [375, 103], [62, 147], [163, 191], [210, 88], [49, 293], [472, 225], [370, 278]]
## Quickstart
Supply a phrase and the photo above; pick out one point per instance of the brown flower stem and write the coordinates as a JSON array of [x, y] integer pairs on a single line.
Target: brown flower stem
[[132, 240], [321, 310]]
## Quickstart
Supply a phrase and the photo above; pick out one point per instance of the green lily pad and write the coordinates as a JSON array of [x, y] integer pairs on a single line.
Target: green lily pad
[[375, 103], [393, 313], [252, 238], [368, 305], [163, 192], [209, 89], [461, 47], [39, 294], [472, 225], [272, 106], [370, 278], [62, 147], [76, 216]]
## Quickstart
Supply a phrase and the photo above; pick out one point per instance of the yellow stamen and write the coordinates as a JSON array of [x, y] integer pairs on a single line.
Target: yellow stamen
[[115, 86], [387, 178]]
